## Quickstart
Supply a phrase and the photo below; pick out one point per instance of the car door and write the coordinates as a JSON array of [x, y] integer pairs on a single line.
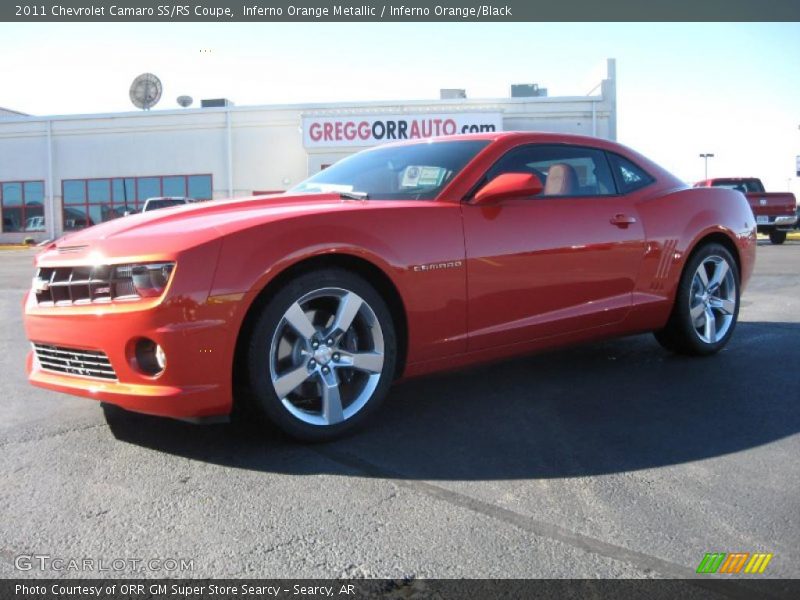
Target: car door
[[559, 262]]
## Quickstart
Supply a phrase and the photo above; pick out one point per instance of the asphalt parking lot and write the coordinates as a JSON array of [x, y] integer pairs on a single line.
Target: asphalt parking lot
[[614, 459]]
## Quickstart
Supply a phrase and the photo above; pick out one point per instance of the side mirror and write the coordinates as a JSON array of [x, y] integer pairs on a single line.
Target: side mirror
[[509, 185]]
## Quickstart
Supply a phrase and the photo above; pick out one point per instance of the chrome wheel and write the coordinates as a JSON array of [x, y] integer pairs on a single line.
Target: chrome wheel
[[326, 356], [712, 299]]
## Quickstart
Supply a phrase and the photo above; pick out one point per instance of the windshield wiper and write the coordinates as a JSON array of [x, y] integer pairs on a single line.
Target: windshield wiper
[[354, 195]]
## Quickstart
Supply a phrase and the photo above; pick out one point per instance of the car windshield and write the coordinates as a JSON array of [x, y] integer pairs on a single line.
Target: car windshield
[[409, 172]]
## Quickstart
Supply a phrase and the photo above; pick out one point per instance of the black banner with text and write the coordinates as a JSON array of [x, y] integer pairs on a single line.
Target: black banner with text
[[418, 589], [376, 11]]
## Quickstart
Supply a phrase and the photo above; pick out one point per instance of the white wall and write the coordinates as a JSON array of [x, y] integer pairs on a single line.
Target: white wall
[[268, 153]]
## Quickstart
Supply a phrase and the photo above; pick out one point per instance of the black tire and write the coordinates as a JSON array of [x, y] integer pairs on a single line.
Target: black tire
[[777, 237], [681, 333], [263, 398]]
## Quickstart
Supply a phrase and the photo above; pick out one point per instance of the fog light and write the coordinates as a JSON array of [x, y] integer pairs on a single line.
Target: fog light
[[150, 357], [161, 358]]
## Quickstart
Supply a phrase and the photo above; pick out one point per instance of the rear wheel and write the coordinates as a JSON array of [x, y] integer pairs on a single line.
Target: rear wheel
[[322, 355], [777, 237], [706, 305]]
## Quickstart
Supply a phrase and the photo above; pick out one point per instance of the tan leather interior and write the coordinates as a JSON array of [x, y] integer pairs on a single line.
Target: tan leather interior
[[562, 180]]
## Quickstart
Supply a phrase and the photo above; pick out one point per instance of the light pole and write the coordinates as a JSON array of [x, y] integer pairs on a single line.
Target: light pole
[[705, 157]]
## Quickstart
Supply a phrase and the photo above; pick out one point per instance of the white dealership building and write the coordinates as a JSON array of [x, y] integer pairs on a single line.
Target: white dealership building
[[61, 173]]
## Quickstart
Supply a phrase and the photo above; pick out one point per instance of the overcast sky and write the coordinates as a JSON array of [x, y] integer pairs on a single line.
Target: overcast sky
[[683, 89]]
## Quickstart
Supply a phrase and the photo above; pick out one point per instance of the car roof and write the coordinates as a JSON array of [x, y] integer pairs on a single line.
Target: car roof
[[532, 136]]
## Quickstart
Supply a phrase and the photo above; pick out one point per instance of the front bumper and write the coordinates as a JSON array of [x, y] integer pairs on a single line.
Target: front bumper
[[194, 330], [195, 383], [162, 400]]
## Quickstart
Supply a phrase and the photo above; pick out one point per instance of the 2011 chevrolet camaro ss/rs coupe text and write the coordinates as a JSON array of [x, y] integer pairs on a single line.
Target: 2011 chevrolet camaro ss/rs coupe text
[[401, 260]]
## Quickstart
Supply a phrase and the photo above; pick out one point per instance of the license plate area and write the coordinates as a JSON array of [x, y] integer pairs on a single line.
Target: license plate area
[[762, 220]]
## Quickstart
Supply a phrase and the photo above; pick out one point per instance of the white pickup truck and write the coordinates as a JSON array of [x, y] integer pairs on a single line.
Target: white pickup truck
[[165, 202]]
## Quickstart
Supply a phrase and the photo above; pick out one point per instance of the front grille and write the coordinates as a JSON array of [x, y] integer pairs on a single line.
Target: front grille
[[83, 285], [86, 363]]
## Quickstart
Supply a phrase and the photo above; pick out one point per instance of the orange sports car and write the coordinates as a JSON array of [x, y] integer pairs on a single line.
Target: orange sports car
[[401, 260]]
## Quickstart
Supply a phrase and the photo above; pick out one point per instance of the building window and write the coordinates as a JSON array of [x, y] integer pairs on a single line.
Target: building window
[[22, 205], [199, 186], [174, 186], [91, 201]]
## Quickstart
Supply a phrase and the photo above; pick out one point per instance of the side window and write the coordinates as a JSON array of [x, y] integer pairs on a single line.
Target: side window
[[564, 170], [629, 176]]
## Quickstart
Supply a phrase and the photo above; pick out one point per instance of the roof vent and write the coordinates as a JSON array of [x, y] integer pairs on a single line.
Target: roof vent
[[215, 102], [452, 94], [527, 90]]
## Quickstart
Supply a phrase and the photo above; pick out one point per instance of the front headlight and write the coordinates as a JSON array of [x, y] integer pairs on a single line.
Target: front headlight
[[151, 280], [144, 280]]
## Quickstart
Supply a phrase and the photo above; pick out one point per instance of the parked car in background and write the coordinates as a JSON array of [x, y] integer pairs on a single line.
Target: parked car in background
[[165, 202], [34, 224], [775, 212], [401, 260]]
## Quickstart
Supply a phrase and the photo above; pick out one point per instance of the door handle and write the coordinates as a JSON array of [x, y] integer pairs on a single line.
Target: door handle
[[622, 221]]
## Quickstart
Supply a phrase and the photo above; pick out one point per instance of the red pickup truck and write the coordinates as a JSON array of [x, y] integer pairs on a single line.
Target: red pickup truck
[[774, 212]]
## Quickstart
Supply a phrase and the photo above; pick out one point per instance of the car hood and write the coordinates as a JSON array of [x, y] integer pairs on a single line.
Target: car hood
[[189, 225]]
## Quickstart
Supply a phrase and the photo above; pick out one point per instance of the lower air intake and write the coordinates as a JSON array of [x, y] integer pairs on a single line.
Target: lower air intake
[[70, 361]]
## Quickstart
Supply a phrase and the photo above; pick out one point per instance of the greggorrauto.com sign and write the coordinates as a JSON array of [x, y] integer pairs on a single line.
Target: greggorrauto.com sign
[[369, 130]]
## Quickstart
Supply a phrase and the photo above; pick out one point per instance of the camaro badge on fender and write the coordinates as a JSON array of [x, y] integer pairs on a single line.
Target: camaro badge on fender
[[453, 264]]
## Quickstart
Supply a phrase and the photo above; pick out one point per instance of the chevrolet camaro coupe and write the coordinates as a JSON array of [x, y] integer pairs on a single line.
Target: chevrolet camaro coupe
[[406, 259]]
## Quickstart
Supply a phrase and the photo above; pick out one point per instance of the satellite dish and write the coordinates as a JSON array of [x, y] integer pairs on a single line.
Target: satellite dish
[[185, 101], [145, 91]]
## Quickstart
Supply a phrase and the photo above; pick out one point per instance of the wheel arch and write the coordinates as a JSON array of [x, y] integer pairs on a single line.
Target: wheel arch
[[673, 335], [371, 272], [716, 237]]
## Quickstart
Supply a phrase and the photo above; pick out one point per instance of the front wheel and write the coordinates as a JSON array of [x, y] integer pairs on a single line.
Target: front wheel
[[706, 304], [322, 355], [777, 237]]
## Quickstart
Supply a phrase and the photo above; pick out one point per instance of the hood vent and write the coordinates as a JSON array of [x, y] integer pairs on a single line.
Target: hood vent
[[70, 249]]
